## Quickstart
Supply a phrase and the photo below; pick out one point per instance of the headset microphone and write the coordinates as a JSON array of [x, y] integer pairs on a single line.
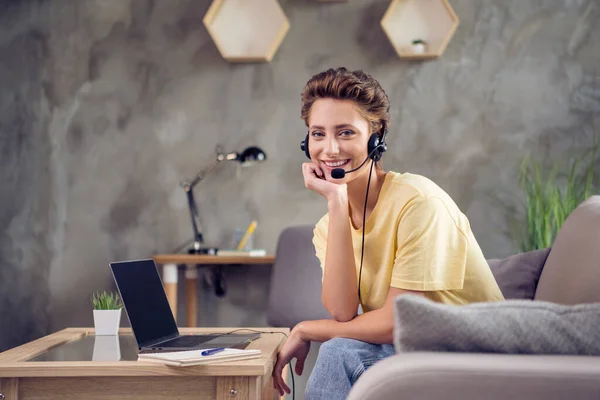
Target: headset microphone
[[340, 173]]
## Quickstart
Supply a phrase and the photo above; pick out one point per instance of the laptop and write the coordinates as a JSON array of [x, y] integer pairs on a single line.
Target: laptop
[[150, 316]]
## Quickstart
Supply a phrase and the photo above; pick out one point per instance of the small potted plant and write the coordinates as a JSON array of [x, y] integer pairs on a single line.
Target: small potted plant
[[107, 312], [418, 46]]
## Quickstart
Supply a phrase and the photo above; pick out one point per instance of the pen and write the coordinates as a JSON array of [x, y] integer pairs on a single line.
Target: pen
[[249, 232], [212, 351]]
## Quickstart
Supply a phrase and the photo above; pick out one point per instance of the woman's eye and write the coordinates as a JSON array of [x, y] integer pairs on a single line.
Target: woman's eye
[[346, 133], [317, 133]]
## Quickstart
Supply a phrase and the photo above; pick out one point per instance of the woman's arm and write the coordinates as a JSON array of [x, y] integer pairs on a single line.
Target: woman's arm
[[340, 287], [340, 290], [375, 326]]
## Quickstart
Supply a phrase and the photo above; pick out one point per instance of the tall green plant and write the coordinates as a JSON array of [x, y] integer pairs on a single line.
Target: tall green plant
[[552, 196]]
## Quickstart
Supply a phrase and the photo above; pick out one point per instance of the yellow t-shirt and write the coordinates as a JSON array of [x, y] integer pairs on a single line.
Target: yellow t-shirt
[[416, 238]]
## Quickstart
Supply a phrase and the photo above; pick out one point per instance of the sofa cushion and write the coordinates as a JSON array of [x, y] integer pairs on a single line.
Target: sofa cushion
[[571, 274], [510, 326], [518, 274]]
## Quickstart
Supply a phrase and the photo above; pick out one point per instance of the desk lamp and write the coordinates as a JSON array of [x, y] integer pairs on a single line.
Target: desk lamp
[[248, 157]]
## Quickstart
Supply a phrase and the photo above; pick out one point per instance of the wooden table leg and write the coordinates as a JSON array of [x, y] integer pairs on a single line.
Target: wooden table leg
[[191, 297], [170, 280], [9, 388], [267, 392]]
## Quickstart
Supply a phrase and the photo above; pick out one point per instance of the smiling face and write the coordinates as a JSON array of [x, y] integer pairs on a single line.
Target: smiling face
[[338, 137]]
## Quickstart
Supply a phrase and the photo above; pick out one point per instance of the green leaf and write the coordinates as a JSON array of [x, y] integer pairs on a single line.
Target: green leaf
[[552, 196], [106, 301]]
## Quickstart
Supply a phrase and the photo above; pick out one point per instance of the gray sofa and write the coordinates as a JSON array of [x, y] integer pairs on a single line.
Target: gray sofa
[[568, 274]]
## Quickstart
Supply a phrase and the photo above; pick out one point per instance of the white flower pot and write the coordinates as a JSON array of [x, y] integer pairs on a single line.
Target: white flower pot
[[106, 322], [418, 48]]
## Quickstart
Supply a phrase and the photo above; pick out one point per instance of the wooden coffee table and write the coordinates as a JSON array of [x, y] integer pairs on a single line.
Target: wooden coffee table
[[76, 364]]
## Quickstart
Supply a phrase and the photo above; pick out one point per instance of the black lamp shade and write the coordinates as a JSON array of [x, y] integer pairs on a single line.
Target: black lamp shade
[[252, 155]]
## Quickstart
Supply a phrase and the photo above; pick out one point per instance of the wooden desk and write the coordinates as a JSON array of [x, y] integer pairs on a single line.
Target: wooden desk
[[82, 378], [169, 264]]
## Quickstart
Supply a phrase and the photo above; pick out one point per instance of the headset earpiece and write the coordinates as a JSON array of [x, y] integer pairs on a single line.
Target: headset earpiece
[[377, 145], [304, 147]]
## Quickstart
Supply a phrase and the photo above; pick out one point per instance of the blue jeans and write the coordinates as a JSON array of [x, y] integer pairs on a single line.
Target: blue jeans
[[339, 364]]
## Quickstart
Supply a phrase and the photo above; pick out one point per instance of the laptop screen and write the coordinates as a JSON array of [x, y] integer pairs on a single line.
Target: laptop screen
[[145, 300]]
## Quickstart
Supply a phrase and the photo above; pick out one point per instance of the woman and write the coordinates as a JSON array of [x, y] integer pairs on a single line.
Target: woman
[[416, 240]]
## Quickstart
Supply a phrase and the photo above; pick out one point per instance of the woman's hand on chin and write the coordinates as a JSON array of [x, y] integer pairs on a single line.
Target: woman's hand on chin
[[315, 180]]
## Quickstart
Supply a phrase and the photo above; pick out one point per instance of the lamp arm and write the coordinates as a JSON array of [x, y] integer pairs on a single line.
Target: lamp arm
[[200, 175], [189, 192], [188, 186]]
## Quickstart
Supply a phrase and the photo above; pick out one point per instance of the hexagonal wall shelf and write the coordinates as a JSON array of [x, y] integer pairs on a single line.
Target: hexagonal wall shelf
[[431, 21], [246, 30]]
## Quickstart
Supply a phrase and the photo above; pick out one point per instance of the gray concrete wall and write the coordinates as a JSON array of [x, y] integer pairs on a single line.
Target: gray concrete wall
[[105, 105]]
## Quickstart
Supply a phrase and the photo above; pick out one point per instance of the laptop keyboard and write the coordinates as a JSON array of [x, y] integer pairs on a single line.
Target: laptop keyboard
[[187, 340]]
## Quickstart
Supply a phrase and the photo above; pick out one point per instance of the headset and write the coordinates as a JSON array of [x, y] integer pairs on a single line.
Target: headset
[[375, 148]]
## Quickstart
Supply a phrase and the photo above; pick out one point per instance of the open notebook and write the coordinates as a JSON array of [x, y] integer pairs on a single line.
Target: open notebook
[[195, 357]]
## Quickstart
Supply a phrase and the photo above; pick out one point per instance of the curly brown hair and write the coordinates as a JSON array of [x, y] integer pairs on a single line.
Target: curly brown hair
[[341, 84]]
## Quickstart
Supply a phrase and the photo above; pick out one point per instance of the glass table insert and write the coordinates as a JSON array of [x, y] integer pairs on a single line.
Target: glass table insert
[[122, 347]]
